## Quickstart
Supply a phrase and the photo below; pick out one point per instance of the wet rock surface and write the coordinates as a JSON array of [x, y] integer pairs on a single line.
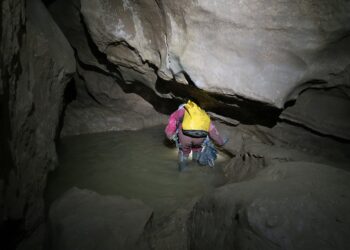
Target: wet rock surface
[[295, 205], [83, 219]]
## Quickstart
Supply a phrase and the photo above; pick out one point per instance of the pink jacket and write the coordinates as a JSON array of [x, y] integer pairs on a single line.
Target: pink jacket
[[174, 123]]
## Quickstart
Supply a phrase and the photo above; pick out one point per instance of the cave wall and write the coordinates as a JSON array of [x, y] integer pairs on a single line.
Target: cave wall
[[106, 100], [237, 59], [254, 49], [37, 62], [232, 56]]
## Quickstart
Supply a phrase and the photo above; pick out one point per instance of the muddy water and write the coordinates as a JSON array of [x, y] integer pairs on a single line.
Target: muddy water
[[134, 164]]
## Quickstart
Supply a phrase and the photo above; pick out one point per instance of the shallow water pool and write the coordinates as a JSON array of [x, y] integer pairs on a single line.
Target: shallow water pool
[[135, 164]]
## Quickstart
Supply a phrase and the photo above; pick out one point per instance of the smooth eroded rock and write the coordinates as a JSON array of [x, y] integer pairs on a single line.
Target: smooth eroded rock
[[324, 111], [102, 105], [238, 47], [296, 205], [83, 219]]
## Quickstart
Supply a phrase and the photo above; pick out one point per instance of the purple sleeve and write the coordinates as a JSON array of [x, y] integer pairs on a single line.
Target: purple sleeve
[[214, 135], [173, 123]]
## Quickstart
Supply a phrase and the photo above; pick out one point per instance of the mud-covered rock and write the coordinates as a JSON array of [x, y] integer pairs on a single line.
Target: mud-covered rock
[[83, 219], [294, 205]]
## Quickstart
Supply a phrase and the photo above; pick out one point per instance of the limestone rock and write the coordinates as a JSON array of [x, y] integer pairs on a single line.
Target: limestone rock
[[292, 143], [243, 166], [324, 111], [139, 25], [83, 219], [109, 109], [238, 47], [67, 15], [34, 81], [82, 118], [254, 148], [294, 205], [105, 101]]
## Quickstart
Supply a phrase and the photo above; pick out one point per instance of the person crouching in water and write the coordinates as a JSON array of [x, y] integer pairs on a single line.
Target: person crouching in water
[[189, 126]]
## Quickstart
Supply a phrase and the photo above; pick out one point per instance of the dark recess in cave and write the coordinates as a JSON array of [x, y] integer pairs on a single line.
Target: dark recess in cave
[[315, 132], [5, 154], [244, 110], [10, 232], [48, 2], [70, 94], [162, 105]]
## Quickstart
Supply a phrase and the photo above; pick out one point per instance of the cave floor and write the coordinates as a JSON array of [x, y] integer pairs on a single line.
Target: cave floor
[[134, 164]]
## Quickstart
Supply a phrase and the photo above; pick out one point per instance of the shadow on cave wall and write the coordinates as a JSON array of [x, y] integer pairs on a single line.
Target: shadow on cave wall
[[238, 108], [160, 104]]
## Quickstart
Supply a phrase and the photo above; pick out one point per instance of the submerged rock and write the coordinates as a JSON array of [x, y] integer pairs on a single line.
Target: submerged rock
[[83, 219], [294, 205]]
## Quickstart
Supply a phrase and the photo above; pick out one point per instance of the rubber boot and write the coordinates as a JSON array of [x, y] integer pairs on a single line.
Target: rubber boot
[[182, 161]]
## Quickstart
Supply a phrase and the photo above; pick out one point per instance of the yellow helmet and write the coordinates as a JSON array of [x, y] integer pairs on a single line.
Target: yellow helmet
[[195, 118]]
